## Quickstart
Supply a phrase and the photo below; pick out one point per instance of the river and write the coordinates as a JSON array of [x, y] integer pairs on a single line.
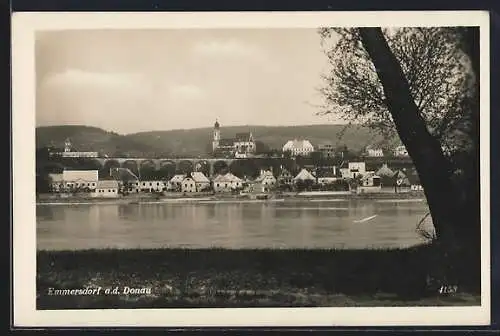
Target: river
[[311, 224]]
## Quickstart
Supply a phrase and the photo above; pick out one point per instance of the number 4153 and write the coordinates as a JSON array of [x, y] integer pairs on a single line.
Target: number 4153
[[448, 289]]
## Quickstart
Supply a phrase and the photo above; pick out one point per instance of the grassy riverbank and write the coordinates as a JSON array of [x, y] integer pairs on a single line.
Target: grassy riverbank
[[244, 278]]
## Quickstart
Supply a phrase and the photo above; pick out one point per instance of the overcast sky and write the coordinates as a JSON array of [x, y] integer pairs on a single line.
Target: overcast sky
[[132, 81]]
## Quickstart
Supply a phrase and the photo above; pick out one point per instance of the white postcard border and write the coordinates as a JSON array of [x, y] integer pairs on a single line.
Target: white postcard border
[[24, 26]]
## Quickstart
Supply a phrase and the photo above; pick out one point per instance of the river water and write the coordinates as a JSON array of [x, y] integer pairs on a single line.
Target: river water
[[263, 224]]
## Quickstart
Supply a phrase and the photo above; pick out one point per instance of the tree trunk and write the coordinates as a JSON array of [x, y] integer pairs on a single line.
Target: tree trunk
[[433, 168]]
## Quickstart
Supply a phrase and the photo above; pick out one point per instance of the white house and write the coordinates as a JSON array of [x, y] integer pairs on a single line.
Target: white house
[[133, 186], [304, 175], [80, 179], [267, 178], [227, 182], [285, 178], [370, 180], [152, 186], [69, 153], [202, 182], [188, 185], [374, 152], [56, 182], [176, 181], [400, 151], [356, 168], [369, 183], [298, 147], [106, 189], [327, 150]]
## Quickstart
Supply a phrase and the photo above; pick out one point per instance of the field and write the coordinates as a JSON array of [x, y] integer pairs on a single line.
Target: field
[[244, 278]]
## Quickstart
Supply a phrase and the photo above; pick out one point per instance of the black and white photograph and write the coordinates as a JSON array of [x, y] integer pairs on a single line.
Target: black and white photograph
[[309, 168]]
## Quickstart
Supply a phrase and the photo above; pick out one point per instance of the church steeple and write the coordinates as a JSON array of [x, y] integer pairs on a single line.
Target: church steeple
[[67, 145], [216, 136]]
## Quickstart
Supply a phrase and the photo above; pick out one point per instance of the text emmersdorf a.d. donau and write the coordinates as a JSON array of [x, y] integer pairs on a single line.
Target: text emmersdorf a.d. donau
[[203, 168]]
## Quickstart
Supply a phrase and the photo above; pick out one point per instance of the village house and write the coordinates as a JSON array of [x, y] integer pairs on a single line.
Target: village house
[[175, 182], [386, 176], [129, 182], [227, 182], [80, 180], [267, 178], [401, 181], [327, 150], [56, 182], [303, 176], [152, 186], [369, 182], [374, 152], [202, 182], [285, 177], [188, 185], [106, 189], [353, 169], [298, 147], [132, 186], [400, 151]]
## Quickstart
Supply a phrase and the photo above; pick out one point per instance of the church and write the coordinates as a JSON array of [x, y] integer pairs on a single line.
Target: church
[[241, 146]]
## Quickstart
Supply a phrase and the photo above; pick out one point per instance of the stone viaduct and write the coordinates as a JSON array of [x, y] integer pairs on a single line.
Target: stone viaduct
[[195, 164]]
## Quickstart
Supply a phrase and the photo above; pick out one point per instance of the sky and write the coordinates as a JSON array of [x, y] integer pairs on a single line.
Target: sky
[[130, 81]]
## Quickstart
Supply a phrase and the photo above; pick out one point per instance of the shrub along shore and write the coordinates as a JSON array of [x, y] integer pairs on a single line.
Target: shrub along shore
[[163, 278]]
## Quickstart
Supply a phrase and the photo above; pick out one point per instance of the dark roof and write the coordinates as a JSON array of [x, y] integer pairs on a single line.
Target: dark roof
[[216, 125], [326, 174], [243, 136], [285, 172], [226, 142]]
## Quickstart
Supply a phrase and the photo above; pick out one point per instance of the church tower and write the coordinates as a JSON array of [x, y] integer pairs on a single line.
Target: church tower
[[67, 145], [216, 139]]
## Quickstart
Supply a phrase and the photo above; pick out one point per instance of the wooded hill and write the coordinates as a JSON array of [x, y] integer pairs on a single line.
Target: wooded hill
[[198, 142]]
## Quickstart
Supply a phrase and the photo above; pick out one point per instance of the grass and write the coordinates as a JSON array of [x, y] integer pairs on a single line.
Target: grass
[[245, 278]]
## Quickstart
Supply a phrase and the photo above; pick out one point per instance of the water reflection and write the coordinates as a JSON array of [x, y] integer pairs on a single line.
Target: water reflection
[[305, 224]]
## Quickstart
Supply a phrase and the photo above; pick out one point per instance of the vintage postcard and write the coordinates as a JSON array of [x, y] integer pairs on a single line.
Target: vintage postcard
[[251, 169]]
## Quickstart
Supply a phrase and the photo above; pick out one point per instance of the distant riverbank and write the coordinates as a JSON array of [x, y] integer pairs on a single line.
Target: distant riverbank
[[277, 197]]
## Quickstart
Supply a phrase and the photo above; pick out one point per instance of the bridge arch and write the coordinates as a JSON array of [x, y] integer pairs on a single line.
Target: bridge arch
[[147, 170], [167, 169], [132, 165], [185, 166], [203, 166], [220, 167], [244, 168], [108, 165]]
